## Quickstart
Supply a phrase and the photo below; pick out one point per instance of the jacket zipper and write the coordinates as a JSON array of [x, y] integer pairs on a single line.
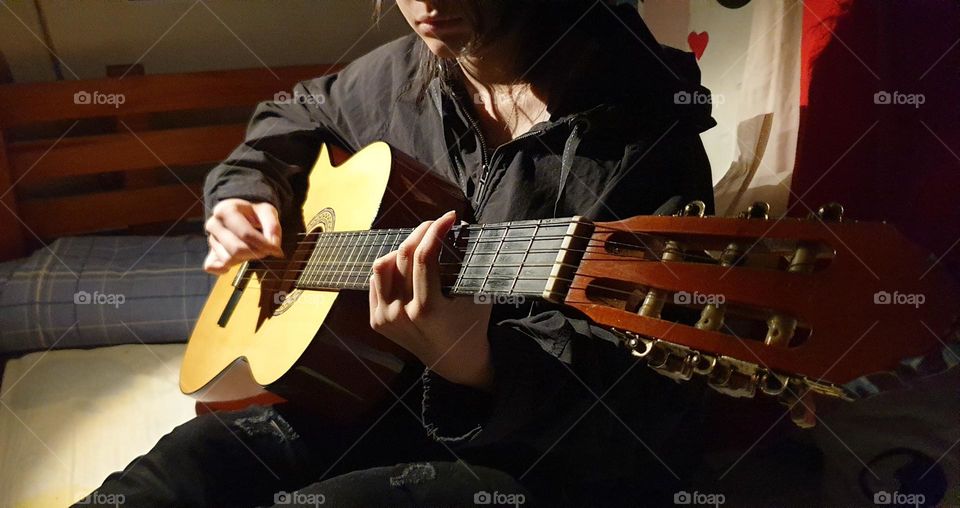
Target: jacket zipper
[[484, 157]]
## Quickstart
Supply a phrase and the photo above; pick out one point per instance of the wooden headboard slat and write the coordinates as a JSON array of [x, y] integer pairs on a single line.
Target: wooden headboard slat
[[104, 211], [32, 103], [39, 161], [181, 121]]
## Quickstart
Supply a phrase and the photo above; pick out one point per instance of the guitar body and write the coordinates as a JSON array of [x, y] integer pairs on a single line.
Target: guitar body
[[315, 347]]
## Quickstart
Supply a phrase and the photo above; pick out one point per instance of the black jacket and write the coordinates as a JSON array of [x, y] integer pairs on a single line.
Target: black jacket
[[622, 147]]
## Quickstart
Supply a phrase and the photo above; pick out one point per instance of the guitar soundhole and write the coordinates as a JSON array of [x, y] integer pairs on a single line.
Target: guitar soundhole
[[287, 295]]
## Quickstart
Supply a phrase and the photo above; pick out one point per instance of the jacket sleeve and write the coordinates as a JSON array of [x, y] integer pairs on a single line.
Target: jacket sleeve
[[284, 135], [282, 141]]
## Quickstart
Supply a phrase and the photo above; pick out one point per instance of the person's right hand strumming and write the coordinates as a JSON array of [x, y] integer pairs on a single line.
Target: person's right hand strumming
[[239, 231]]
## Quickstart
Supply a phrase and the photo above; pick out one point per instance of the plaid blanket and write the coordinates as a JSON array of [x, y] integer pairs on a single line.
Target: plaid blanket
[[94, 291]]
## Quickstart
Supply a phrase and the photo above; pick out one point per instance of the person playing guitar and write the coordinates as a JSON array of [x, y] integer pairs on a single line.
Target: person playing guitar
[[535, 109]]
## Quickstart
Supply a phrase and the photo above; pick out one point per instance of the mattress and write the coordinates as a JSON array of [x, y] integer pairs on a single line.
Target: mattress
[[68, 418]]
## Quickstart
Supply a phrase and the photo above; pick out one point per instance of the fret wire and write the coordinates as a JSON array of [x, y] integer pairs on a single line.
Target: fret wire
[[483, 285], [327, 255], [315, 259], [383, 244], [353, 253], [360, 251], [533, 237], [337, 253], [468, 258], [347, 248], [366, 261]]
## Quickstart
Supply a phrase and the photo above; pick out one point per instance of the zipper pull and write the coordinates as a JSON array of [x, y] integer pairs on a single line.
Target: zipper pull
[[482, 184]]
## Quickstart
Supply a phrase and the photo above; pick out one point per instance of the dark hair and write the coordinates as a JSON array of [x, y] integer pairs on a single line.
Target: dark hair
[[542, 21]]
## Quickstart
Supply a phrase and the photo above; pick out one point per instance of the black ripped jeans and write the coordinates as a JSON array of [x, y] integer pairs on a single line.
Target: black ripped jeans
[[265, 456]]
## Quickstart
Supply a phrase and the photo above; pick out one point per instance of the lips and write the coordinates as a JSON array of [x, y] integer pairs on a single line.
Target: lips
[[434, 20], [439, 24]]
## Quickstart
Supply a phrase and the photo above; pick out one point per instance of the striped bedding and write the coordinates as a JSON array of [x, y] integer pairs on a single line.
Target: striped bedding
[[82, 292]]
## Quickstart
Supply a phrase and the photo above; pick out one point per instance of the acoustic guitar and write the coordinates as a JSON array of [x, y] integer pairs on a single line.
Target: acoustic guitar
[[787, 308]]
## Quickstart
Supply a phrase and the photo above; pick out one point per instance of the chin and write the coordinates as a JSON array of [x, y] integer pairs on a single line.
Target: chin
[[441, 48]]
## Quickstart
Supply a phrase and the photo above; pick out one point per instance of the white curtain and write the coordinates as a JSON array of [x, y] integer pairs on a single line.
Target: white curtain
[[750, 60]]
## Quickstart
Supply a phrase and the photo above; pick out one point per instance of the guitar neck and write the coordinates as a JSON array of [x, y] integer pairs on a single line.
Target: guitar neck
[[518, 260]]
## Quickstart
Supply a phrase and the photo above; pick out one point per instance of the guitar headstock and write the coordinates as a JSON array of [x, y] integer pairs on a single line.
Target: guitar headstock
[[786, 307]]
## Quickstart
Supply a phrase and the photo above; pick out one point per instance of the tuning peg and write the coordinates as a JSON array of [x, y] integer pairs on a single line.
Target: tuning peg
[[772, 383], [800, 401], [830, 212], [734, 377], [693, 209], [703, 364], [757, 210]]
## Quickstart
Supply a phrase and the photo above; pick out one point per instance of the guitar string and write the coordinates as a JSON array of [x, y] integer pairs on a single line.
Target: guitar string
[[284, 265], [408, 231], [361, 264], [468, 244], [360, 268], [363, 273], [599, 255], [453, 288]]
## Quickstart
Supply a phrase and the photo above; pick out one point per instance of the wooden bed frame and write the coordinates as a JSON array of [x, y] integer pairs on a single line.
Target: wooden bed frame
[[47, 138]]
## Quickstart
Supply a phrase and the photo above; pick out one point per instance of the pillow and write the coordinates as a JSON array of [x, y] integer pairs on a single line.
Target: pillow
[[94, 291]]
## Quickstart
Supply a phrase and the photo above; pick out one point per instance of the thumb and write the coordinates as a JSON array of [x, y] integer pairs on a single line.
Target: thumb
[[269, 220]]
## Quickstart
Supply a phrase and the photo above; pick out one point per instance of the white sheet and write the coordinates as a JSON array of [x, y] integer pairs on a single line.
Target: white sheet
[[69, 418]]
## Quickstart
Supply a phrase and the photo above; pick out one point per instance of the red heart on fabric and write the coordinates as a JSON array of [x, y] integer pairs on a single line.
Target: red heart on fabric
[[698, 43]]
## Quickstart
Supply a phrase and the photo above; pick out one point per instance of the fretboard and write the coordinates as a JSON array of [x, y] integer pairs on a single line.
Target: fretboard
[[507, 259]]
